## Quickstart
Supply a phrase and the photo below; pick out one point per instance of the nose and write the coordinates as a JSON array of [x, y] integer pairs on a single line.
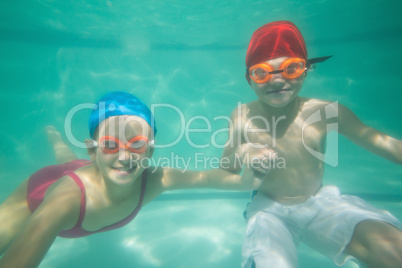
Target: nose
[[124, 155], [277, 81]]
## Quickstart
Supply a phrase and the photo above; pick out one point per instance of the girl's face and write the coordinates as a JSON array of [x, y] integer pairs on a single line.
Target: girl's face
[[123, 148]]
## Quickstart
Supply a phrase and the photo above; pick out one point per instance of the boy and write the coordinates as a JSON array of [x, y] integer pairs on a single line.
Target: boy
[[291, 205]]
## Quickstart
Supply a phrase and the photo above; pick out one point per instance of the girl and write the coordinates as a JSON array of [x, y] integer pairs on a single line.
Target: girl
[[83, 197]]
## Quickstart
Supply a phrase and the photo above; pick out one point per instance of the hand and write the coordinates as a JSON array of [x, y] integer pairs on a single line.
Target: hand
[[62, 152], [260, 158], [251, 180], [53, 135]]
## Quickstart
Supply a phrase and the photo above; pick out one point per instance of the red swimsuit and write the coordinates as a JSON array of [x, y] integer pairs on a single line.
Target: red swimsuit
[[40, 181]]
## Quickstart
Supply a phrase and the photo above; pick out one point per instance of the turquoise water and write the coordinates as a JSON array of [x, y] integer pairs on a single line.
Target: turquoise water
[[190, 54]]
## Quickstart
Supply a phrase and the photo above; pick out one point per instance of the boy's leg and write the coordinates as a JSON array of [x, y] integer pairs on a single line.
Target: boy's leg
[[377, 243], [339, 229], [268, 243], [14, 212], [62, 152]]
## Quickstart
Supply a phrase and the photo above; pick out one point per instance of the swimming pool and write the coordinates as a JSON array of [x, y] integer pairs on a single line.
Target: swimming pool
[[58, 54]]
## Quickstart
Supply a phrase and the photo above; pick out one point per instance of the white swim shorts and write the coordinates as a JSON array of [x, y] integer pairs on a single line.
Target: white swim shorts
[[325, 222]]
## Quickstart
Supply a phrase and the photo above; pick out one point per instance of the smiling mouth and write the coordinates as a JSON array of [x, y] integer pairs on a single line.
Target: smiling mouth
[[278, 91], [124, 171]]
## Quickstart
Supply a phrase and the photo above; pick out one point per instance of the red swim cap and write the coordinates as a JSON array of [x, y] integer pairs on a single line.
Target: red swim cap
[[273, 40]]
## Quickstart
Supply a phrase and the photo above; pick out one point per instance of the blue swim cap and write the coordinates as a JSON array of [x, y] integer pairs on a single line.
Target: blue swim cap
[[119, 103]]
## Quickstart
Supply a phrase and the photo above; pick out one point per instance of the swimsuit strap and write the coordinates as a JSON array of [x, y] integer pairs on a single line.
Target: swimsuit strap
[[77, 230], [83, 199], [143, 186], [133, 214]]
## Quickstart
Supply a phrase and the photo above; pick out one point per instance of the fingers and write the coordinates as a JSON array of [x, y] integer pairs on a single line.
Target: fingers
[[262, 170], [251, 179], [261, 164], [262, 160]]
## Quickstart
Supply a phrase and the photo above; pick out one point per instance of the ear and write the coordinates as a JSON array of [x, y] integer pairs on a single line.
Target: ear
[[91, 148]]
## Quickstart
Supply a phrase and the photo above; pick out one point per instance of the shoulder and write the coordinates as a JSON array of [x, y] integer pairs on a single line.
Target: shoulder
[[329, 109], [154, 173], [61, 205], [319, 103], [325, 108], [159, 176], [237, 110], [154, 181], [325, 111], [65, 190], [244, 109], [243, 112], [308, 103]]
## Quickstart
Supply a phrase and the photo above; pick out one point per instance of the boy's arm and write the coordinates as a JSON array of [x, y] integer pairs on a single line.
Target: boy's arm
[[59, 210], [367, 137]]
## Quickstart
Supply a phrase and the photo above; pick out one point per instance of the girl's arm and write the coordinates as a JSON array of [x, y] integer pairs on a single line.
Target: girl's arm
[[59, 210], [62, 152], [175, 179], [234, 151], [367, 137]]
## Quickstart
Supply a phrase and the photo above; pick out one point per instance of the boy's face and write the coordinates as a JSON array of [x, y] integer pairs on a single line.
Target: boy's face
[[123, 148], [278, 91]]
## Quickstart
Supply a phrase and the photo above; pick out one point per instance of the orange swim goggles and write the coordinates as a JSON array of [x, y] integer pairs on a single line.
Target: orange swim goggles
[[111, 145], [291, 68]]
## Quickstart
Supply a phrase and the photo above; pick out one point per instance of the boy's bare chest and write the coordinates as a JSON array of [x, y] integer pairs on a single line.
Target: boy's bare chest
[[286, 137]]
